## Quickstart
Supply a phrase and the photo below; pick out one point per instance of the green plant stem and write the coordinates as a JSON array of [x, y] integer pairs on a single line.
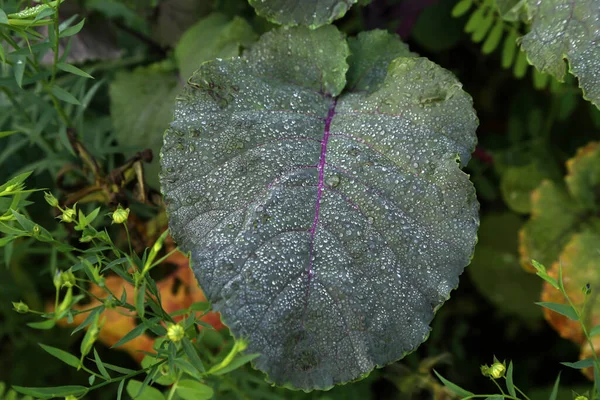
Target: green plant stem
[[128, 240]]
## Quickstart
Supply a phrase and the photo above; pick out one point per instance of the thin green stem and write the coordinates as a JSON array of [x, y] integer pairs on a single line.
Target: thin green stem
[[128, 240]]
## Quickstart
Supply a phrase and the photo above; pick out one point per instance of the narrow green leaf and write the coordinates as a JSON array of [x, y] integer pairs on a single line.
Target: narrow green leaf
[[63, 95], [484, 27], [595, 330], [540, 80], [493, 39], [49, 324], [474, 20], [192, 354], [62, 355], [509, 49], [121, 370], [586, 363], [461, 8], [510, 386], [73, 70], [554, 393], [563, 309], [453, 387], [137, 390], [7, 133], [135, 332], [3, 17], [120, 389], [100, 365], [236, 363], [187, 367], [19, 69], [49, 392], [188, 389], [72, 30], [520, 67], [139, 299]]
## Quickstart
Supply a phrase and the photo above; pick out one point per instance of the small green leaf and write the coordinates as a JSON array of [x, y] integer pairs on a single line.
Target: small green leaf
[[509, 49], [563, 309], [72, 30], [120, 389], [236, 363], [19, 69], [474, 20], [100, 365], [520, 68], [453, 387], [137, 390], [49, 324], [484, 27], [3, 17], [540, 80], [140, 306], [62, 355], [63, 95], [493, 39], [7, 133], [461, 8], [595, 330], [192, 354], [510, 386], [554, 393], [586, 363], [73, 70], [194, 390], [50, 392]]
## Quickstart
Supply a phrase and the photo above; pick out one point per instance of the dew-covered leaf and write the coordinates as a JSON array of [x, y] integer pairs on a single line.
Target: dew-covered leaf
[[326, 226], [215, 36], [566, 29], [313, 13]]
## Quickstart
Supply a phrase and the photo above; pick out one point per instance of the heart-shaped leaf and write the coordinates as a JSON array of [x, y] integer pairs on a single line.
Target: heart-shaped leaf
[[326, 225], [313, 13]]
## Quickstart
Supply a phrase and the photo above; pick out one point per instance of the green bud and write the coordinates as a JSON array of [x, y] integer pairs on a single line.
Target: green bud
[[120, 215], [50, 199], [68, 215], [587, 289], [70, 397], [580, 397], [175, 333], [20, 307], [485, 370], [67, 279], [36, 230], [497, 370]]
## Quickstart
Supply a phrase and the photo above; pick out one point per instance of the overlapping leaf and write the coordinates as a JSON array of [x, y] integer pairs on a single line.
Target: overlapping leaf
[[566, 29], [142, 101], [496, 272], [326, 226], [559, 211], [313, 13]]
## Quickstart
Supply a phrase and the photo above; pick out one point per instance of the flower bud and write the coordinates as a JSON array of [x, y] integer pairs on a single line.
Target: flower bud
[[70, 397], [50, 199], [120, 215], [175, 333], [580, 397], [20, 307], [67, 279], [587, 289], [497, 370], [68, 215], [36, 230]]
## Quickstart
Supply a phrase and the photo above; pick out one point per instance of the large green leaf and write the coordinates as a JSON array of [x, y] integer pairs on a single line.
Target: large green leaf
[[566, 29], [141, 107], [326, 226], [496, 272], [313, 13], [215, 36]]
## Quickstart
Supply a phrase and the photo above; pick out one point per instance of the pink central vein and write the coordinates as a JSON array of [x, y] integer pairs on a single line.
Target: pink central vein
[[320, 187]]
